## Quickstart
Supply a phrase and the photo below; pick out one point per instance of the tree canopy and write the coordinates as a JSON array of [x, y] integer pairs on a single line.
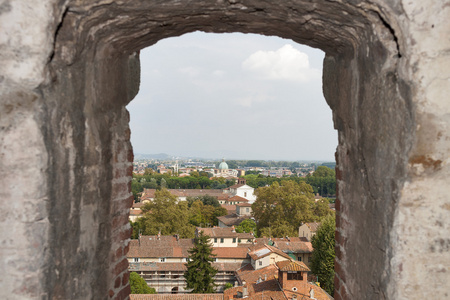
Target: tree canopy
[[166, 215], [200, 273], [280, 209], [247, 226], [139, 286], [323, 171], [323, 255]]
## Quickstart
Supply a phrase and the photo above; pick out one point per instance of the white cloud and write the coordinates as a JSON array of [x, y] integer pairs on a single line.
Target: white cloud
[[286, 63]]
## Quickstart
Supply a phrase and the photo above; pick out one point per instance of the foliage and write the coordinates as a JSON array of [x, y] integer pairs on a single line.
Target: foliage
[[283, 208], [136, 188], [323, 181], [206, 199], [166, 215], [323, 255], [322, 209], [200, 273], [227, 286], [279, 228], [247, 225], [323, 171], [139, 286]]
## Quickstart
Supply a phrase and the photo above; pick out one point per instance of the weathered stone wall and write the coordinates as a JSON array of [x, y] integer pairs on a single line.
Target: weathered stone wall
[[68, 68]]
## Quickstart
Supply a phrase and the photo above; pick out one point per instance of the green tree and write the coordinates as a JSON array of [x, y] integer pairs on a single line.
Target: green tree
[[166, 215], [139, 286], [322, 209], [200, 273], [228, 285], [247, 225], [279, 228], [283, 207], [322, 263], [323, 171]]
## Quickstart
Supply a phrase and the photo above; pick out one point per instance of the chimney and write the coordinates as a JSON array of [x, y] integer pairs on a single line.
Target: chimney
[[159, 235], [244, 290], [233, 229]]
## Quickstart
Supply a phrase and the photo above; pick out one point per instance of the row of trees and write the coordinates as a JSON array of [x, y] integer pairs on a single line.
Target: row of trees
[[323, 181], [160, 181], [168, 216]]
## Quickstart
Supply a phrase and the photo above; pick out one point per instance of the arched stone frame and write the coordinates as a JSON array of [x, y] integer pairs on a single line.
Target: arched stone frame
[[85, 136], [361, 84]]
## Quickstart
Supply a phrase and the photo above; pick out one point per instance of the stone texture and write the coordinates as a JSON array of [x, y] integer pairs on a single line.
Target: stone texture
[[68, 68]]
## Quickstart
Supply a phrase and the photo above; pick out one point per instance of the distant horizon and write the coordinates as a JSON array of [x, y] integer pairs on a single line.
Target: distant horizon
[[171, 157]]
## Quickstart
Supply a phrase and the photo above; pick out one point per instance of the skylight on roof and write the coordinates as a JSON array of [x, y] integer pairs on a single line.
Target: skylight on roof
[[262, 252]]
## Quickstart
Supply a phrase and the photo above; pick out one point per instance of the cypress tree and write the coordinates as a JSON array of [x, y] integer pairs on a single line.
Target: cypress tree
[[323, 255], [200, 273]]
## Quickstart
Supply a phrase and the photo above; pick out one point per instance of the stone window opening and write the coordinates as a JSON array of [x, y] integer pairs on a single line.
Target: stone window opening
[[76, 113]]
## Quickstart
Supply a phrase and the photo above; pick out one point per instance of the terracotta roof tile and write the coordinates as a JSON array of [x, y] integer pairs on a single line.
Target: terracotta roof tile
[[236, 186], [229, 208], [313, 226], [218, 232], [265, 251], [135, 212], [232, 219], [230, 252], [292, 266], [237, 198], [176, 297], [165, 246]]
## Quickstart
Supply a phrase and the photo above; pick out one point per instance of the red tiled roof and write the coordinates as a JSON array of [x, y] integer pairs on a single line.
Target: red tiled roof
[[237, 199], [292, 266], [138, 205], [218, 232], [290, 244], [267, 286], [166, 246], [230, 252], [176, 297], [223, 197], [313, 226], [229, 208], [135, 212], [265, 251], [236, 186], [232, 219]]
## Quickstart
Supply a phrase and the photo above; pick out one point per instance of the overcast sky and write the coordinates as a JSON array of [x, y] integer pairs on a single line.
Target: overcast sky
[[237, 96]]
